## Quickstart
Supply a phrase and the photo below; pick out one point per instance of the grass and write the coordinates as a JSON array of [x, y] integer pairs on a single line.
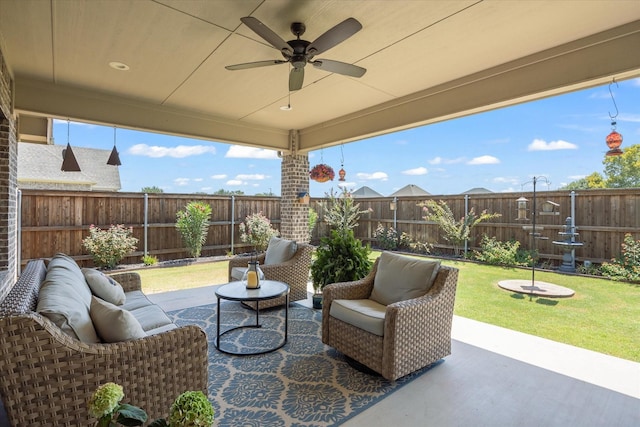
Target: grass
[[602, 316]]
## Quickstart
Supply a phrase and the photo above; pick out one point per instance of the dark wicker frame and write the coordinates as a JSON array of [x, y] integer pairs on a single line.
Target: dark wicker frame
[[47, 376], [417, 332], [294, 272]]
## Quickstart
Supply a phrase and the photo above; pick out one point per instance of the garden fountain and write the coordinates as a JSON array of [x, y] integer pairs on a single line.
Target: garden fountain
[[568, 246]]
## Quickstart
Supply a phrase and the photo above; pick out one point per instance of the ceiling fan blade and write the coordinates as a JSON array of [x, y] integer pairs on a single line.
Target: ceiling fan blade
[[296, 77], [266, 33], [339, 67], [334, 36], [254, 64]]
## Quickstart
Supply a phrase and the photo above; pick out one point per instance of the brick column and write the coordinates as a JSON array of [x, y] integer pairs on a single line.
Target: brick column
[[8, 182], [294, 215]]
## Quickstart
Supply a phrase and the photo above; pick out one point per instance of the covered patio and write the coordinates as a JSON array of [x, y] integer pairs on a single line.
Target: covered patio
[[159, 66]]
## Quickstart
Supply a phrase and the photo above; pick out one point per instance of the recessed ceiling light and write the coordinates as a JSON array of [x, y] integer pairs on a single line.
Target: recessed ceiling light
[[118, 66]]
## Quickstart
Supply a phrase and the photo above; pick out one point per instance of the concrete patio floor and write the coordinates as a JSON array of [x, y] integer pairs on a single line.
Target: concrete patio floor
[[497, 377]]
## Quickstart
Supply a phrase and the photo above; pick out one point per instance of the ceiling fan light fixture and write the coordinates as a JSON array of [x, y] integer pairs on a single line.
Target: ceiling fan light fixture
[[120, 66]]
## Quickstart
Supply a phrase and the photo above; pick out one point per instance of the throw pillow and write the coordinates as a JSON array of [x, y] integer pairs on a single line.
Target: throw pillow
[[104, 286], [280, 250], [114, 324], [400, 278]]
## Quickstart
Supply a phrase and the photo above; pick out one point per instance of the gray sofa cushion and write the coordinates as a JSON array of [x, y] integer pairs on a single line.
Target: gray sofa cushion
[[104, 286], [65, 299], [280, 250], [114, 324]]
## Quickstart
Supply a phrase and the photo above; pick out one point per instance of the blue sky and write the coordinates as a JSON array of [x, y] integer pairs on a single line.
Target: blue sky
[[561, 138]]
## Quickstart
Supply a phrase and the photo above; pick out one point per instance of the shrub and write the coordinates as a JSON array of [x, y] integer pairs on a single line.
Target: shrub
[[108, 247], [387, 237], [342, 212], [313, 219], [193, 224], [257, 230], [149, 260], [509, 253], [454, 231], [340, 258], [627, 265]]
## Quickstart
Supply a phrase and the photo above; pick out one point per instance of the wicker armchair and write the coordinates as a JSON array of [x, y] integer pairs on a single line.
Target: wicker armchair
[[294, 272], [47, 376], [417, 332]]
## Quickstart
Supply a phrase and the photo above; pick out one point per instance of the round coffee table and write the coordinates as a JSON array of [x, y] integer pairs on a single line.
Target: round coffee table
[[237, 291]]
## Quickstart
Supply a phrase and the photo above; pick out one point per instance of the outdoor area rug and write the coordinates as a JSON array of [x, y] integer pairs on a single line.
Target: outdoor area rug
[[305, 383]]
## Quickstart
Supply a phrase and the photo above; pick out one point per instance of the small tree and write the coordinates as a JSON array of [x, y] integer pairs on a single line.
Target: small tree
[[342, 212], [454, 231], [108, 247], [257, 230], [193, 224]]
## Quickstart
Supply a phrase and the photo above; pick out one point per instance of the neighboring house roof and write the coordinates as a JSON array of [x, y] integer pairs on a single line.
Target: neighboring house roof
[[477, 190], [39, 166], [410, 190], [365, 191]]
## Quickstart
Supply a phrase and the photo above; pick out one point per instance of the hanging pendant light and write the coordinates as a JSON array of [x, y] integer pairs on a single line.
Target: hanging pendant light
[[114, 158], [614, 139], [69, 162]]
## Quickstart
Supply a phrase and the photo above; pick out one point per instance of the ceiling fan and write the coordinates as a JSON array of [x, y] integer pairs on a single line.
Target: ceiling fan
[[300, 52]]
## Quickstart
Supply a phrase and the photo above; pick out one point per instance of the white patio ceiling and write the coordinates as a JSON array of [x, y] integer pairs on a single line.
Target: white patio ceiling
[[426, 61]]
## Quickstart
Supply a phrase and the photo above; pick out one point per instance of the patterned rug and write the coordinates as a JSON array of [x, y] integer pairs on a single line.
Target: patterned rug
[[305, 383]]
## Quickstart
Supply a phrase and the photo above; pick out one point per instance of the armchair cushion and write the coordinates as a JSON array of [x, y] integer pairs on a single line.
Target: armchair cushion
[[104, 286], [280, 250], [363, 313], [114, 324], [400, 278]]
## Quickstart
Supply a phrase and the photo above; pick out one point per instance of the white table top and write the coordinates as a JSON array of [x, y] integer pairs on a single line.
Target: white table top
[[237, 291]]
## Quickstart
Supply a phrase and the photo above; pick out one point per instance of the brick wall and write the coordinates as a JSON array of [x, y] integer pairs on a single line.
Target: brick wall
[[293, 214], [8, 181]]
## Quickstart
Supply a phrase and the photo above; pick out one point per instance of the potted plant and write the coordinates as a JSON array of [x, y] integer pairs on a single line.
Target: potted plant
[[340, 257]]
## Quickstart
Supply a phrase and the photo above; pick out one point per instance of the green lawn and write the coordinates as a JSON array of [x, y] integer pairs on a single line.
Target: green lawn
[[602, 316]]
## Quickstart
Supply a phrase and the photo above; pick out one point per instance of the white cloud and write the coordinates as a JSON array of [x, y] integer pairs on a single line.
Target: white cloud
[[197, 179], [178, 152], [505, 180], [416, 171], [623, 117], [236, 182], [256, 176], [181, 181], [575, 177], [541, 145], [242, 152], [441, 161], [484, 160], [346, 185], [219, 176], [378, 176]]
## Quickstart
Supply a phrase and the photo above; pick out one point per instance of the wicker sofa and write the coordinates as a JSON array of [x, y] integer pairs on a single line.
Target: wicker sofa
[[48, 376], [412, 333]]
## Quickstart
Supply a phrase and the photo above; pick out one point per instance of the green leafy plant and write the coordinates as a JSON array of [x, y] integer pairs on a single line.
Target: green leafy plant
[[257, 230], [313, 219], [339, 258], [495, 252], [627, 265], [454, 231], [342, 212], [149, 260], [193, 224], [105, 405], [108, 247], [190, 409]]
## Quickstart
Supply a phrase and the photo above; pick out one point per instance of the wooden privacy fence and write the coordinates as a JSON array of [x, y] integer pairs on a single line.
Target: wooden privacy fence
[[57, 221]]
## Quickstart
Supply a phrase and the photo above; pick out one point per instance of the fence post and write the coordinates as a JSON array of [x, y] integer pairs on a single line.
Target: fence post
[[146, 221], [233, 219], [466, 212]]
